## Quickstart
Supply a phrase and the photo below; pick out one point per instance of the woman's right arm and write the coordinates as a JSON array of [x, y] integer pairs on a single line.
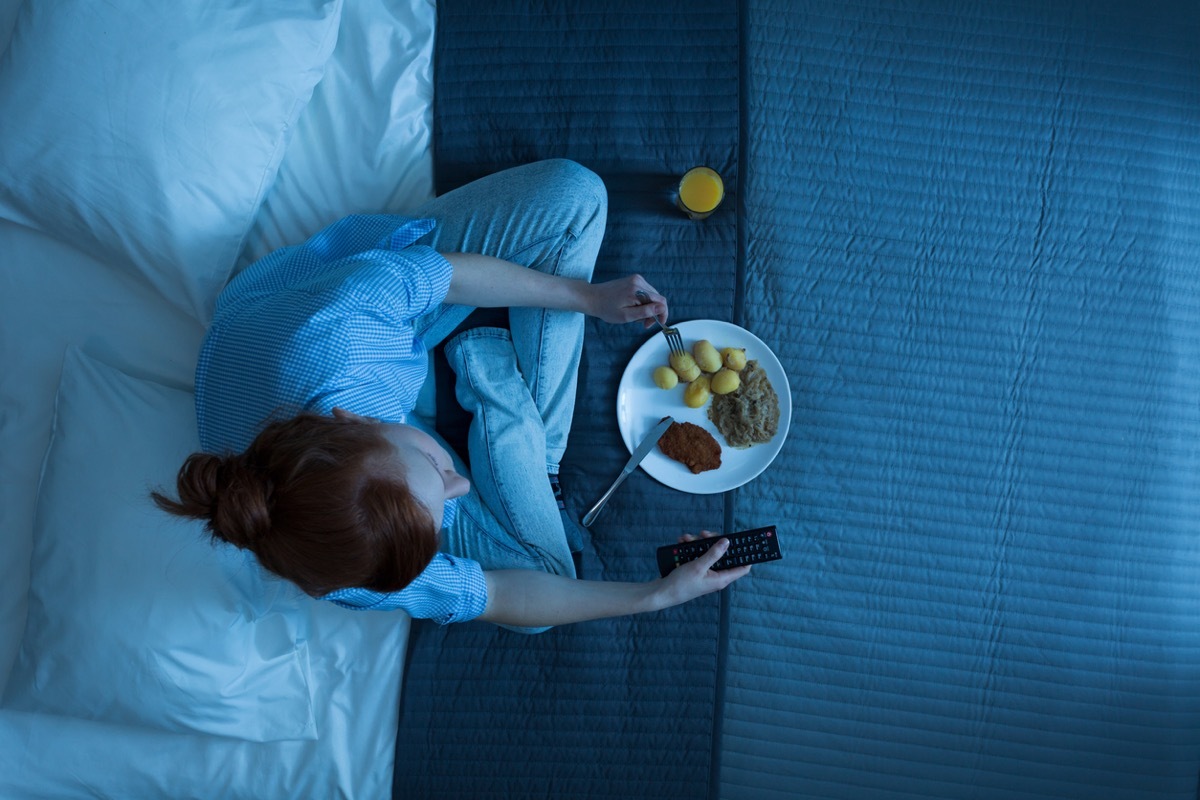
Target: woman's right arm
[[532, 599], [486, 282]]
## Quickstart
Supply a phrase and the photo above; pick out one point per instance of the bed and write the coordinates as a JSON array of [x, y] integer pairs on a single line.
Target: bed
[[970, 232], [190, 138]]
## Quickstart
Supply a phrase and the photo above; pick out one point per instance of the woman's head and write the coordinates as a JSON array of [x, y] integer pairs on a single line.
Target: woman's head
[[326, 502]]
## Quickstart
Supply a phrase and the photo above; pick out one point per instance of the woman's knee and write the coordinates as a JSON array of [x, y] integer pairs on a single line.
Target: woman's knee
[[589, 185], [573, 175], [576, 184], [583, 196]]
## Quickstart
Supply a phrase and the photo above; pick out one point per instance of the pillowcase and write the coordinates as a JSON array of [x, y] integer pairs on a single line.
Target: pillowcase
[[364, 142], [147, 132], [134, 617]]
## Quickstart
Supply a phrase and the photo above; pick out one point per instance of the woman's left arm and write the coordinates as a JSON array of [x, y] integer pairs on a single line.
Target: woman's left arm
[[486, 282], [531, 599]]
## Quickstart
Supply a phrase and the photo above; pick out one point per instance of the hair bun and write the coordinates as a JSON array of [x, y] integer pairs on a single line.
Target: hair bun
[[233, 498], [241, 509]]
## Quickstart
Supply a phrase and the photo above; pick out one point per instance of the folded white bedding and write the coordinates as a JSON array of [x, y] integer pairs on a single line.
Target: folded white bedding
[[361, 143], [135, 130], [355, 659]]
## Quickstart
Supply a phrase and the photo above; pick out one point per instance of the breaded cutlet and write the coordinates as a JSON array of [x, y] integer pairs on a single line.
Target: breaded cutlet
[[692, 446]]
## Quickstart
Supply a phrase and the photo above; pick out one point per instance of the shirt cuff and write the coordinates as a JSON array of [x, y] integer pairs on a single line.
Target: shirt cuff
[[437, 269], [472, 594]]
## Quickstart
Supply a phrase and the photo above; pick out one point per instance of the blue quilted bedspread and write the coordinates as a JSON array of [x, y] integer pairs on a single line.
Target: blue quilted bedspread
[[971, 232]]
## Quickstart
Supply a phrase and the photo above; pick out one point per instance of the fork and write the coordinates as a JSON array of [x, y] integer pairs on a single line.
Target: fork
[[674, 340]]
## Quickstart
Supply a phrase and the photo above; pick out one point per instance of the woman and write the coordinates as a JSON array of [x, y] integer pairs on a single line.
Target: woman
[[347, 491]]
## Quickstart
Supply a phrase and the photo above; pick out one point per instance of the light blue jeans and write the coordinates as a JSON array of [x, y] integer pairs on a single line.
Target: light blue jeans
[[519, 387]]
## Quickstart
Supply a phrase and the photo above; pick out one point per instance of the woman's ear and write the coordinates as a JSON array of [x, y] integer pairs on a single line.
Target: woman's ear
[[456, 485]]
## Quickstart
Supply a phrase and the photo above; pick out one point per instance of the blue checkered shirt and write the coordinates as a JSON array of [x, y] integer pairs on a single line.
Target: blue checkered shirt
[[329, 323]]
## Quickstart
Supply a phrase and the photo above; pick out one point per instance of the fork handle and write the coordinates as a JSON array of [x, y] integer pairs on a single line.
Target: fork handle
[[645, 298]]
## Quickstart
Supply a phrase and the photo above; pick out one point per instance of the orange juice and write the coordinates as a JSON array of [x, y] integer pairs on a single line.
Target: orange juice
[[700, 192]]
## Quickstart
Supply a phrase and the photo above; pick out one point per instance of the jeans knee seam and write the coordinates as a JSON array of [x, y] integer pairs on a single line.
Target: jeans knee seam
[[509, 255], [496, 541]]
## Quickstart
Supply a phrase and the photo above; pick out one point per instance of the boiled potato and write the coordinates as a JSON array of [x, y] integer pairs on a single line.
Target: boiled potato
[[707, 357], [725, 381], [685, 366], [665, 378], [734, 358], [697, 392]]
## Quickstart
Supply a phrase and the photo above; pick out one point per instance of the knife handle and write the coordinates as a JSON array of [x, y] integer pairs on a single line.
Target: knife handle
[[594, 511]]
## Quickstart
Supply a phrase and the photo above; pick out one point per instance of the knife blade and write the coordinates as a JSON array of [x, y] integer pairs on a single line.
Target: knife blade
[[639, 453]]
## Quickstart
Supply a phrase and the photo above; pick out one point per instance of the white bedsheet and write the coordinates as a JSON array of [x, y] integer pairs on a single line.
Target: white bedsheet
[[361, 144]]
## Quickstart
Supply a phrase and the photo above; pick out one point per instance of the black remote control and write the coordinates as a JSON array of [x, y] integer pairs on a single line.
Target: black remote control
[[747, 547]]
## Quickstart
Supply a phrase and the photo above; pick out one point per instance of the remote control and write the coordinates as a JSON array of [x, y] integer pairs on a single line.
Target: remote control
[[747, 547]]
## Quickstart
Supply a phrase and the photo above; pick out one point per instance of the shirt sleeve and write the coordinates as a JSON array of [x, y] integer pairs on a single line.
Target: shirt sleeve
[[347, 238], [450, 589], [402, 284]]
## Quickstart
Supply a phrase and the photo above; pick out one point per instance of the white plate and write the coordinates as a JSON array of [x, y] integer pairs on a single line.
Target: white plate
[[641, 404]]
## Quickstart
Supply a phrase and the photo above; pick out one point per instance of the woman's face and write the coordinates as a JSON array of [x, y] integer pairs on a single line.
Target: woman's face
[[428, 468]]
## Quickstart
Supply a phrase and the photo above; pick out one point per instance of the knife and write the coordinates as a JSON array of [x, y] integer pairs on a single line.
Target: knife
[[641, 452]]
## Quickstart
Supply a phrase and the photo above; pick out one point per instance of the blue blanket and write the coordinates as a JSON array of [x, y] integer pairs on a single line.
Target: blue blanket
[[971, 232], [973, 229]]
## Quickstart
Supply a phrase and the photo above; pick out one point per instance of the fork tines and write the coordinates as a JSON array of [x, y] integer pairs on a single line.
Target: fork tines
[[674, 340]]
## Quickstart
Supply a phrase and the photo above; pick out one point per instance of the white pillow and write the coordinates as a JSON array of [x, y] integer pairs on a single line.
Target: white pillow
[[134, 617], [364, 142], [147, 132]]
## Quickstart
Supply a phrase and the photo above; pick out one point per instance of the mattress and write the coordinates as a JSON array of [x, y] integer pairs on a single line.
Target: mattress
[[970, 232]]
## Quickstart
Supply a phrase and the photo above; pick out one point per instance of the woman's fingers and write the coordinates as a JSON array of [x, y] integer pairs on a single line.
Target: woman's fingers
[[651, 302], [689, 537]]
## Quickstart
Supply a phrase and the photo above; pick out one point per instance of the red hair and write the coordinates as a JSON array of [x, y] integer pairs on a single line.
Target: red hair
[[318, 500]]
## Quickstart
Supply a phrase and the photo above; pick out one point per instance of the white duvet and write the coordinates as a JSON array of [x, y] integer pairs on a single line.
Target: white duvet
[[179, 142]]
